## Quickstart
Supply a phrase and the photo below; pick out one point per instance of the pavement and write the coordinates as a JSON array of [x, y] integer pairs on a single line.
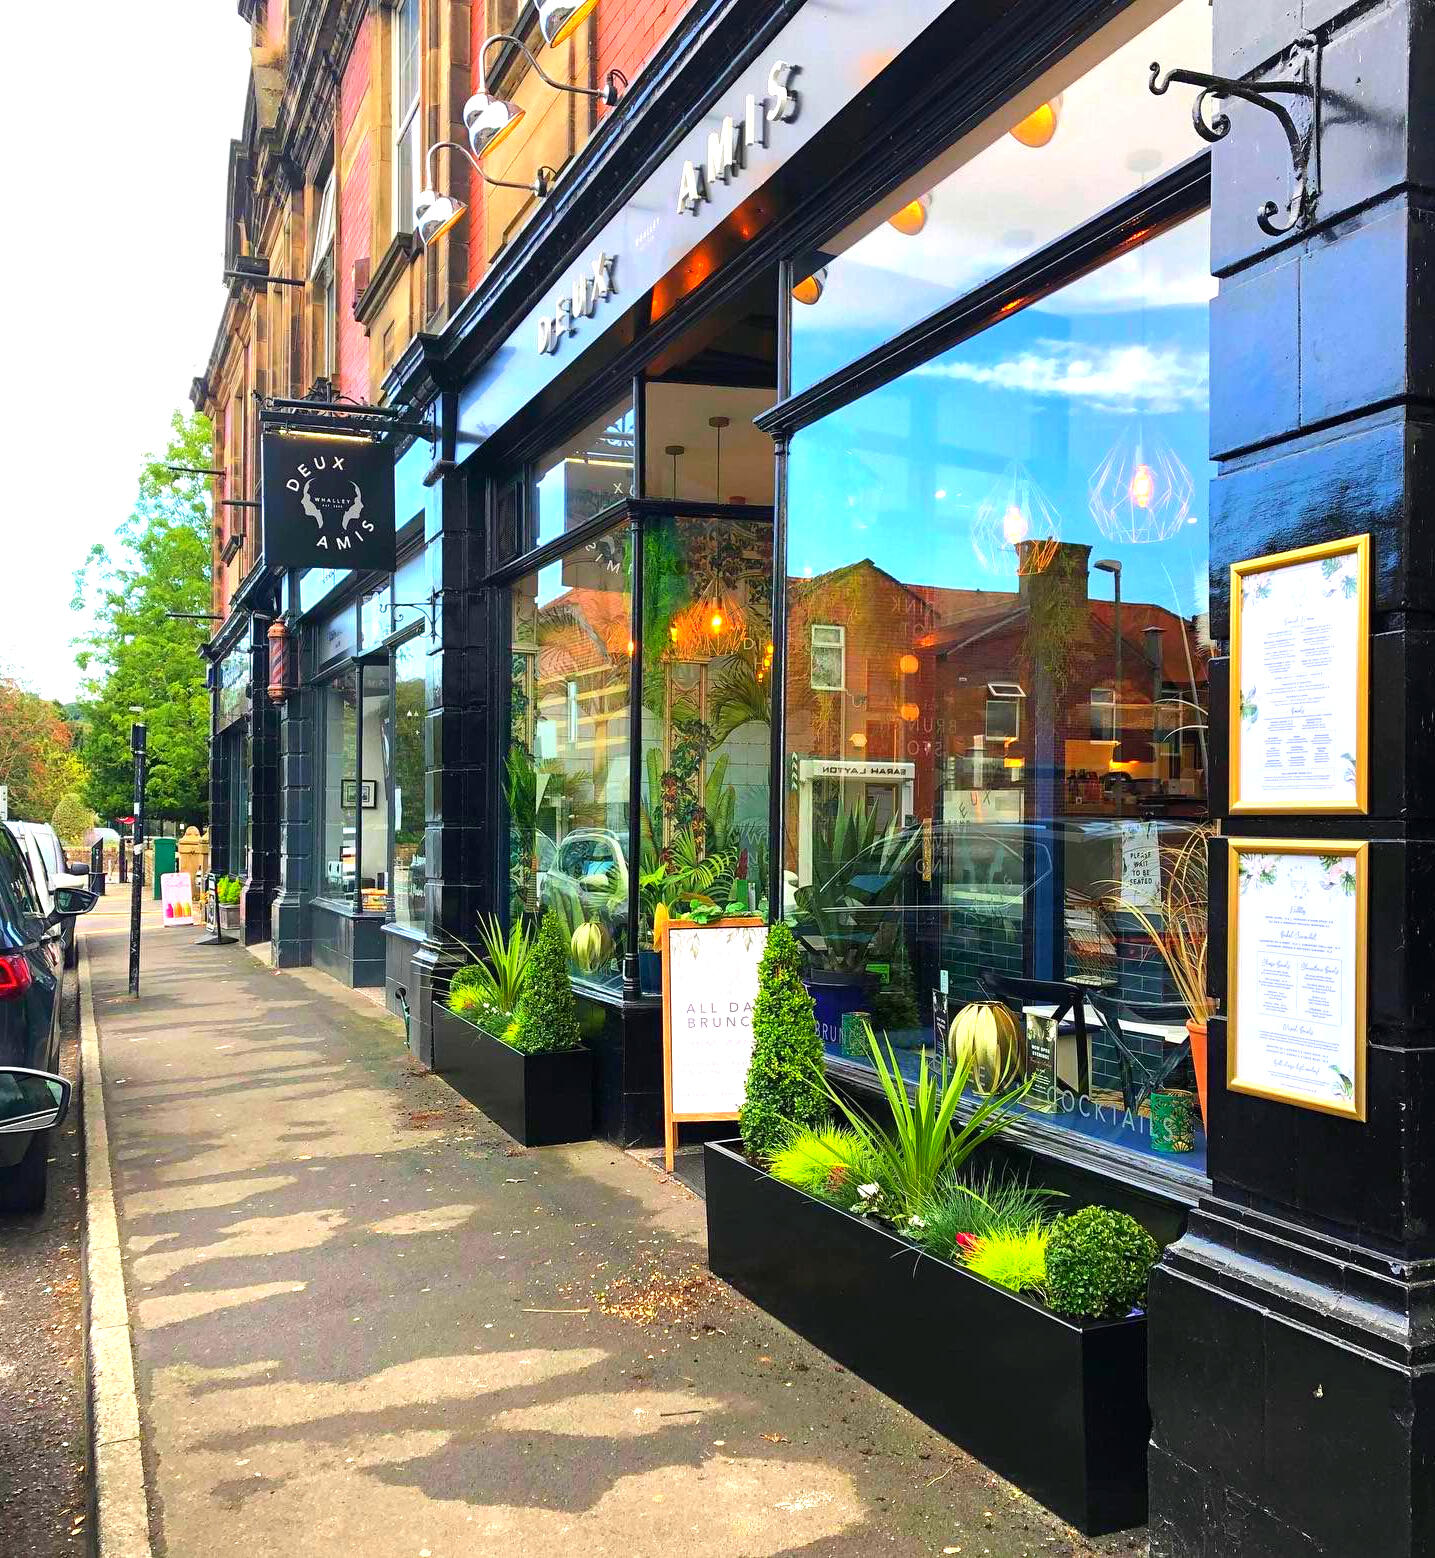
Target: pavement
[[366, 1322]]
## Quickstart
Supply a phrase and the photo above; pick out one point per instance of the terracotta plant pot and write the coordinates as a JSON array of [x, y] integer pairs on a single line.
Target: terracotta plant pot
[[1197, 1030]]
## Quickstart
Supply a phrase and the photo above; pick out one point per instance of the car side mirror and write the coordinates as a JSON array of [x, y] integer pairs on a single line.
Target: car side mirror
[[31, 1100], [74, 900]]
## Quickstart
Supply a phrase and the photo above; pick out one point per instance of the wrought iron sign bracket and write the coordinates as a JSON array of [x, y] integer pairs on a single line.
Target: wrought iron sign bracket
[[1300, 122]]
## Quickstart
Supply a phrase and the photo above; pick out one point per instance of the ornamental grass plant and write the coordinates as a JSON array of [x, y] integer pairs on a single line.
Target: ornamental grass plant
[[830, 1161], [1013, 1258], [963, 1211], [497, 972]]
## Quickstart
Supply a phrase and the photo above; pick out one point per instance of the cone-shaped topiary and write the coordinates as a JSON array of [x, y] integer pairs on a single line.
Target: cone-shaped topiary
[[547, 1013], [782, 1081]]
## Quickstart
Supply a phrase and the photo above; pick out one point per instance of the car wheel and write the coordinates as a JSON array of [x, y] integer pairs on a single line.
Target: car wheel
[[22, 1188]]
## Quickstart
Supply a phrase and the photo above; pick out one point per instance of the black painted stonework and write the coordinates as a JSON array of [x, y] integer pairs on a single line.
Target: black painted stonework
[[1292, 1328], [1058, 1406]]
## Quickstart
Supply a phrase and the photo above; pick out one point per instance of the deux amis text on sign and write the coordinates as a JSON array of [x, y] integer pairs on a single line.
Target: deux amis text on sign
[[729, 143]]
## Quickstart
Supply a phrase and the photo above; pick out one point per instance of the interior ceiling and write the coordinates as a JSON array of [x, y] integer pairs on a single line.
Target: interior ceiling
[[733, 344]]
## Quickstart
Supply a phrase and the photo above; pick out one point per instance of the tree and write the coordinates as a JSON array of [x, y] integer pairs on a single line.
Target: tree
[[73, 819], [140, 653], [38, 763]]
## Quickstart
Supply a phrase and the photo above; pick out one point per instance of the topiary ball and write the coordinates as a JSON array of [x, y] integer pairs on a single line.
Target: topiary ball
[[1097, 1263]]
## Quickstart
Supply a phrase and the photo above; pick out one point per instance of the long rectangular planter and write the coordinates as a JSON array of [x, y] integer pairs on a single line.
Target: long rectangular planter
[[539, 1099], [1057, 1406]]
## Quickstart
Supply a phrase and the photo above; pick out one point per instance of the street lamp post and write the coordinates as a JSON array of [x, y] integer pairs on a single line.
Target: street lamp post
[[137, 746], [1111, 566]]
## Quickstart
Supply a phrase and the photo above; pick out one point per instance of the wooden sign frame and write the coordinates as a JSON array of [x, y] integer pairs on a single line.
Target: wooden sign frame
[[1312, 805], [1331, 849], [671, 1121]]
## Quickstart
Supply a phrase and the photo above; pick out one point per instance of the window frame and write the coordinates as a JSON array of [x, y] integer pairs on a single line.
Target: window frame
[[322, 276], [406, 116]]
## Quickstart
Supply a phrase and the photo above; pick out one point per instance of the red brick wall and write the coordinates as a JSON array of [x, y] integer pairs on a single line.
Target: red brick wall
[[274, 22], [356, 197], [628, 33]]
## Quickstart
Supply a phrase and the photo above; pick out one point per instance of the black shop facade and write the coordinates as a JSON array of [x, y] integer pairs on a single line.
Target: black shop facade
[[833, 502]]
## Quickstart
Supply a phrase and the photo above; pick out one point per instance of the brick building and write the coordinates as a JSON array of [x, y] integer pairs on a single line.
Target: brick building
[[820, 436]]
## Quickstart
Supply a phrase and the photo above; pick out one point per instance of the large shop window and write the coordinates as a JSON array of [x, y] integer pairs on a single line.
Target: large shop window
[[587, 473], [567, 765], [372, 828], [1084, 136], [997, 650]]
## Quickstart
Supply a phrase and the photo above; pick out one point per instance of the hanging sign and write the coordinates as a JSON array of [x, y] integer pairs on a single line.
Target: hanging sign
[[1300, 680], [709, 990], [328, 502], [1296, 979], [176, 891]]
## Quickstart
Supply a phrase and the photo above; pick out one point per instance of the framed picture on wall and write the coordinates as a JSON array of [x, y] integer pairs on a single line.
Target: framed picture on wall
[[359, 792]]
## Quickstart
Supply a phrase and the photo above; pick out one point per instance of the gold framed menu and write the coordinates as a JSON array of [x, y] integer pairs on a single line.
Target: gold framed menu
[[1296, 973], [1300, 680]]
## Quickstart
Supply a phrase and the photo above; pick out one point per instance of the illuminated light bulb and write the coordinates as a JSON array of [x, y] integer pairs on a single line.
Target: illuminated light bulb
[[1037, 129], [716, 622], [909, 712], [1143, 486], [912, 218], [630, 646], [1014, 526], [673, 632], [858, 740], [908, 664], [809, 289]]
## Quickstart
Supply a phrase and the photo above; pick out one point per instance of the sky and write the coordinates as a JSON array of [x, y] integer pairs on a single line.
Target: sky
[[128, 124]]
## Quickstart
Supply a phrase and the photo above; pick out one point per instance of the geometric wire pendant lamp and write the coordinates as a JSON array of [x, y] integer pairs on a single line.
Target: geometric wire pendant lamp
[[1016, 525], [1141, 491]]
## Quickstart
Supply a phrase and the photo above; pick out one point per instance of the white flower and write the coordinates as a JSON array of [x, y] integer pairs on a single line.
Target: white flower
[[869, 1192], [915, 1222]]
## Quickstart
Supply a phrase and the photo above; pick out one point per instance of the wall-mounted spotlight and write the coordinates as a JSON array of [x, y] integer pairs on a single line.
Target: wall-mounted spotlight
[[560, 19], [810, 288], [490, 120], [436, 212]]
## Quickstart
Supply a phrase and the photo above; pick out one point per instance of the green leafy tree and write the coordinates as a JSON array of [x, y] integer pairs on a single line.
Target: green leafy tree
[[38, 763], [783, 1080], [140, 653], [547, 1012], [72, 819]]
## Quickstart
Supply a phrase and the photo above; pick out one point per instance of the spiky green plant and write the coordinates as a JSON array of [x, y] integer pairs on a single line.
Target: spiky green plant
[[547, 1017], [922, 1147], [783, 1090], [963, 1210], [829, 1161], [1015, 1258]]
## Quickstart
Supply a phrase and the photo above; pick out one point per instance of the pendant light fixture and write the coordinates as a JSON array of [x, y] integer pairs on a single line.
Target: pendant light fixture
[[1016, 526], [558, 20], [912, 217], [1142, 491], [490, 119], [809, 289], [1039, 126]]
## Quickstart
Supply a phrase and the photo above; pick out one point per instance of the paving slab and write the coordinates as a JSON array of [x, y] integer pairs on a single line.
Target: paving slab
[[366, 1322]]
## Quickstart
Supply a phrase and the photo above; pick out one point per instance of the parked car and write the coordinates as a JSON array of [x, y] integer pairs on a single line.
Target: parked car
[[31, 979], [51, 870]]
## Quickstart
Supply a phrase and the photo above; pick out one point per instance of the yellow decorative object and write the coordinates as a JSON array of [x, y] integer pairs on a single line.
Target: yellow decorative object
[[660, 926], [986, 1034], [591, 947]]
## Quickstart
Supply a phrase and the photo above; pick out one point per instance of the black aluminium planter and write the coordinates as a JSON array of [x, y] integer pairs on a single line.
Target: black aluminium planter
[[541, 1100], [1057, 1406]]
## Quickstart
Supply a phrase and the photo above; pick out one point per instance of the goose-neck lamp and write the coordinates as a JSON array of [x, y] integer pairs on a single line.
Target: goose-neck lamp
[[490, 120], [436, 212]]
